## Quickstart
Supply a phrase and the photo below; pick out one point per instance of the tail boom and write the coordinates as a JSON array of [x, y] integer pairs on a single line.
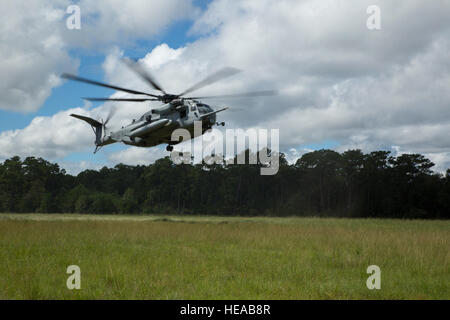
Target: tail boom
[[98, 128]]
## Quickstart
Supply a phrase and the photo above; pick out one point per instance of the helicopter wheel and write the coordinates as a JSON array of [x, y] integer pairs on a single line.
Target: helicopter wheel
[[169, 148]]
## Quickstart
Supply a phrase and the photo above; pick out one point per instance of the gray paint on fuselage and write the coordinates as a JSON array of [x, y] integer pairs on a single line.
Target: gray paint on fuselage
[[163, 134]]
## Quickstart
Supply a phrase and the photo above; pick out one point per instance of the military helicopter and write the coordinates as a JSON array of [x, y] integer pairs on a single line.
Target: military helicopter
[[156, 126]]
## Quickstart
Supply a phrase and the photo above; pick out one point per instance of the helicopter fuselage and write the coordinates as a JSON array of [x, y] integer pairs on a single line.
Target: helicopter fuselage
[[156, 126]]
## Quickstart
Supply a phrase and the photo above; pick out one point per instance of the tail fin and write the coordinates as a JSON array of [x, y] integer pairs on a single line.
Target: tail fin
[[96, 126]]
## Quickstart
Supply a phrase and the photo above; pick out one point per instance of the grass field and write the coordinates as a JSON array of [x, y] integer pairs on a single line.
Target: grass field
[[156, 257]]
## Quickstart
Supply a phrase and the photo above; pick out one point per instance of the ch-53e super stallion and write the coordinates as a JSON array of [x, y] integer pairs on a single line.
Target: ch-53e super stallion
[[156, 126]]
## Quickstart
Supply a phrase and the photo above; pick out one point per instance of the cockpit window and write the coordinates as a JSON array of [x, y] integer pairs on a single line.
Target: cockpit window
[[203, 108]]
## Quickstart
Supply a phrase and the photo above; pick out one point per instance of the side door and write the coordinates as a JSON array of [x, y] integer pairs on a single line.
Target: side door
[[193, 110]]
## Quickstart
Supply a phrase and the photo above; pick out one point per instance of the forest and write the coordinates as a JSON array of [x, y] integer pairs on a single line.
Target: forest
[[320, 183]]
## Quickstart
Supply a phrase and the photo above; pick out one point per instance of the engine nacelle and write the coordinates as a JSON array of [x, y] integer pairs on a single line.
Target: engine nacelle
[[142, 131]]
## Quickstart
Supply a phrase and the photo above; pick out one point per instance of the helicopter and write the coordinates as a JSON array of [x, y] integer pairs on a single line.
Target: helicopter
[[155, 126]]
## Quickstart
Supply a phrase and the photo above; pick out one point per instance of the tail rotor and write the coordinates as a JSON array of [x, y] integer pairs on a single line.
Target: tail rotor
[[111, 113], [99, 128]]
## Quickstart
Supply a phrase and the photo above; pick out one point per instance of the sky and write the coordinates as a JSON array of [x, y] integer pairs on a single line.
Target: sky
[[341, 85]]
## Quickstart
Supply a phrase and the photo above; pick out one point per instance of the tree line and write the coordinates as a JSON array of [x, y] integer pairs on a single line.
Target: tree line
[[320, 183]]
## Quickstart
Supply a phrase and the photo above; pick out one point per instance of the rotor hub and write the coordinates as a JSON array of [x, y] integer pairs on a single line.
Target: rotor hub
[[167, 98]]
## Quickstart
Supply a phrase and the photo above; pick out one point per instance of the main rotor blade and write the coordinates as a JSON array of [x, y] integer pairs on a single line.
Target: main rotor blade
[[239, 95], [219, 75], [213, 112], [139, 69], [97, 83], [120, 99], [111, 113]]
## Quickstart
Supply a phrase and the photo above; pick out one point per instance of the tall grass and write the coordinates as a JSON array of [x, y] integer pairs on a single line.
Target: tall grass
[[221, 258]]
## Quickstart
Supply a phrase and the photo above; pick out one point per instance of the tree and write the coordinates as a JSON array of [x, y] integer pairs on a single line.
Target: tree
[[31, 201], [322, 166], [129, 203], [103, 203], [352, 164], [12, 182], [322, 182], [376, 184], [70, 199]]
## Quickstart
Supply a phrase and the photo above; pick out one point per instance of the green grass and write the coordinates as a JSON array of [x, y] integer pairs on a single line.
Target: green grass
[[156, 257]]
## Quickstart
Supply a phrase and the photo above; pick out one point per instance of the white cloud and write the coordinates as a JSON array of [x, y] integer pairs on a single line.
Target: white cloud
[[35, 42], [138, 156], [339, 81], [74, 168], [31, 53], [49, 137], [121, 22]]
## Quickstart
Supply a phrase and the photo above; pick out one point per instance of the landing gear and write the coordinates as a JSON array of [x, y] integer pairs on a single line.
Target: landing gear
[[206, 129], [220, 124], [169, 148]]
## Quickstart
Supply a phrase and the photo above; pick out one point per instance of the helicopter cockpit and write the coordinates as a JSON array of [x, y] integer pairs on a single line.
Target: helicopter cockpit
[[203, 108]]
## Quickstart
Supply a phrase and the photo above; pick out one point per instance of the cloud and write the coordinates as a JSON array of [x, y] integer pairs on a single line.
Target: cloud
[[35, 42], [31, 53], [49, 137], [74, 168], [138, 156], [338, 80], [106, 22]]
